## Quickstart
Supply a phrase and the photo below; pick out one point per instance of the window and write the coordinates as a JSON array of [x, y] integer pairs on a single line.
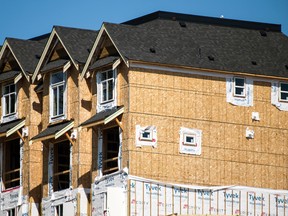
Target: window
[[239, 87], [61, 176], [12, 212], [107, 86], [57, 96], [59, 210], [11, 164], [146, 135], [190, 139], [9, 102], [110, 150], [283, 92]]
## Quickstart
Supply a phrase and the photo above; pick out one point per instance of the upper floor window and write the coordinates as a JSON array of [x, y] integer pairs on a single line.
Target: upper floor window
[[239, 87], [107, 86], [283, 91], [57, 96], [9, 98]]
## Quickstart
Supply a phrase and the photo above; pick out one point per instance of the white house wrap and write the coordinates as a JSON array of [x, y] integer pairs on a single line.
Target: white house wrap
[[275, 97], [146, 197]]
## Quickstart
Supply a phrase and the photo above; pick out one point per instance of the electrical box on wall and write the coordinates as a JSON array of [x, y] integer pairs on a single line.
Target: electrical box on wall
[[249, 133], [255, 116]]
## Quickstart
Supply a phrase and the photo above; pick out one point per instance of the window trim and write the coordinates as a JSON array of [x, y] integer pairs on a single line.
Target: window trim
[[106, 81], [10, 116], [242, 87], [57, 117], [280, 92]]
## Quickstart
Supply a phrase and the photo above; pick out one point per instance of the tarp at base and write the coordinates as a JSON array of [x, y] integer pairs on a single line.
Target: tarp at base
[[146, 197]]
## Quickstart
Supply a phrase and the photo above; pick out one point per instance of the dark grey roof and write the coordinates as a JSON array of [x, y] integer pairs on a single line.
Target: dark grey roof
[[4, 76], [27, 52], [101, 115], [9, 125], [211, 43], [52, 129], [77, 41], [103, 62], [54, 64]]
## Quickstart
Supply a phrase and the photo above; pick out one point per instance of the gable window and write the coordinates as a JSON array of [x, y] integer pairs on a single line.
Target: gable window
[[9, 102], [239, 87], [107, 86], [57, 96], [283, 92]]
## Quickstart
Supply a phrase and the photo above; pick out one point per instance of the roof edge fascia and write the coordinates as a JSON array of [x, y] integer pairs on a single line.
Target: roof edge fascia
[[44, 53], [93, 50], [198, 71], [73, 61]]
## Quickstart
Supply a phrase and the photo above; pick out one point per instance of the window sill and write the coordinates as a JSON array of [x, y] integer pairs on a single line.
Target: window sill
[[9, 118], [57, 119]]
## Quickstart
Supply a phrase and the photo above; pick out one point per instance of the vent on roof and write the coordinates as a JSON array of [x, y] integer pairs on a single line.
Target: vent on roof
[[173, 18], [152, 50], [211, 58], [182, 24], [37, 56], [254, 62], [286, 66], [263, 33]]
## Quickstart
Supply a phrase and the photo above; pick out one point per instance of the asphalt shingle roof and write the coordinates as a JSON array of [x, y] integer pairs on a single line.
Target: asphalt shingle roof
[[4, 76], [27, 52], [206, 44], [78, 42], [9, 125]]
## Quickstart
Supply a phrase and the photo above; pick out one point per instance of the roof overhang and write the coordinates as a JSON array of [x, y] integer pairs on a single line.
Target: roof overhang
[[7, 129], [103, 117], [53, 131]]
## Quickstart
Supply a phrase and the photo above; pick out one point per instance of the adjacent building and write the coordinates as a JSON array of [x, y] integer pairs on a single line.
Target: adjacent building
[[175, 99]]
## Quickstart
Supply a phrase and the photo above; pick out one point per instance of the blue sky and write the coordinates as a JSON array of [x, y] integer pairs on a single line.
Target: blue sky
[[31, 18]]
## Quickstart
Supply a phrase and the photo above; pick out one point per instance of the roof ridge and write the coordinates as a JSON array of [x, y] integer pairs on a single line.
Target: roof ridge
[[205, 20]]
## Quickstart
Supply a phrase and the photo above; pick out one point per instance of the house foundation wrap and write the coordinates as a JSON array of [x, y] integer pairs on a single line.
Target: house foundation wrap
[[120, 194], [13, 199], [71, 201]]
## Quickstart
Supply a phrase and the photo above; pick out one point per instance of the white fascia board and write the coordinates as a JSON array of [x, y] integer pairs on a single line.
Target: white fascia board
[[43, 55], [18, 78], [95, 45], [64, 130], [74, 63], [99, 36], [14, 129], [3, 48], [126, 62]]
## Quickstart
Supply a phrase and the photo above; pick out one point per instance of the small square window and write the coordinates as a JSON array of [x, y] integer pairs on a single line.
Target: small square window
[[190, 139], [146, 135], [239, 87], [283, 92]]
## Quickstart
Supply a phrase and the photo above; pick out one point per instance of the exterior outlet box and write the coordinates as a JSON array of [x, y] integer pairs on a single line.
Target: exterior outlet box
[[255, 116], [249, 134]]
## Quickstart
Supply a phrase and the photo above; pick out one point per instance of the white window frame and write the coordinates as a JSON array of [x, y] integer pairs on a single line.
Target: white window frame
[[280, 92], [13, 211], [239, 87], [185, 135], [59, 210], [6, 117], [63, 83], [106, 81]]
